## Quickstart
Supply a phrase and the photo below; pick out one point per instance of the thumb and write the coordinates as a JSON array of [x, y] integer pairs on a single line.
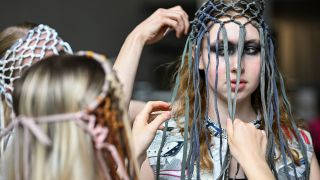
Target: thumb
[[229, 127]]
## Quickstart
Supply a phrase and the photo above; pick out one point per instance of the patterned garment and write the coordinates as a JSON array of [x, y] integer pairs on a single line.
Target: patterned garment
[[171, 157]]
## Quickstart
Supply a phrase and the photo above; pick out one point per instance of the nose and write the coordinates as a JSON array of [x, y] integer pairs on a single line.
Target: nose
[[234, 65]]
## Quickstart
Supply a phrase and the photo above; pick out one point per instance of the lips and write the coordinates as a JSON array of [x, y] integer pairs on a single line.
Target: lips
[[242, 84]]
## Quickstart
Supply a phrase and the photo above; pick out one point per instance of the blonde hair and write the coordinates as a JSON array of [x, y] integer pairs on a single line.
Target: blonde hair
[[8, 37], [66, 84]]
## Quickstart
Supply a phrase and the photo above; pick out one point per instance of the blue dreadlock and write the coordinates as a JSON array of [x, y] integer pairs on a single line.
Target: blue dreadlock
[[270, 81]]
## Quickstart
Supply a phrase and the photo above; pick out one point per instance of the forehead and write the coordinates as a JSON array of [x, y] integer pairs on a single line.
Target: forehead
[[233, 29]]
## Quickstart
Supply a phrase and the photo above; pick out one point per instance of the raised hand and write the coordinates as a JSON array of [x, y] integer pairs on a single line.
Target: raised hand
[[151, 30], [156, 26]]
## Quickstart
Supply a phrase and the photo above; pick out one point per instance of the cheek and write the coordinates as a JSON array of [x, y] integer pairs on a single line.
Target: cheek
[[221, 71], [255, 71]]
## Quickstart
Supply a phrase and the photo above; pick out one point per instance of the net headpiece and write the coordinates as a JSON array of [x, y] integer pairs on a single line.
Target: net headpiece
[[271, 89], [40, 42]]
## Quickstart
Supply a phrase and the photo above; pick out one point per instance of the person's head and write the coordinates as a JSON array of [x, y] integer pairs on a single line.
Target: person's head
[[8, 37], [20, 47], [12, 34], [229, 59], [75, 102], [39, 42]]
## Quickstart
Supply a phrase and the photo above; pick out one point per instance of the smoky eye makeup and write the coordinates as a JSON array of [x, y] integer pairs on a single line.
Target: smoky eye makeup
[[251, 47], [232, 48]]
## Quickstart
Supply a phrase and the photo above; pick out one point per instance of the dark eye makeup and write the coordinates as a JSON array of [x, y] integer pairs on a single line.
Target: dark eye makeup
[[251, 48]]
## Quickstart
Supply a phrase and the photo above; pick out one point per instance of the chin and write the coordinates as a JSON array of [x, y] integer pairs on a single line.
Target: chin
[[241, 96]]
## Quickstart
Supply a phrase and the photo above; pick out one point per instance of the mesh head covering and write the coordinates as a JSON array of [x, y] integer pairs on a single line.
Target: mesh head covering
[[91, 119], [40, 42], [209, 14]]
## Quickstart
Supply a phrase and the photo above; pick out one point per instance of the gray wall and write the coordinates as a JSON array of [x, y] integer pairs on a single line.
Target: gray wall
[[101, 26]]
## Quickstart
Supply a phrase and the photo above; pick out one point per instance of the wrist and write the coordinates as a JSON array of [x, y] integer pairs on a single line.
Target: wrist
[[256, 169], [140, 157], [137, 37], [248, 162]]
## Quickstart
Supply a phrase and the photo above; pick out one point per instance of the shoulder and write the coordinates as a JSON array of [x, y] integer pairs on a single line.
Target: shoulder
[[292, 137], [293, 142]]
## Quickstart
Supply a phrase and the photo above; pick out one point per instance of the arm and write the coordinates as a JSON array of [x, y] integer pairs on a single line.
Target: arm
[[146, 171], [248, 146], [151, 30], [314, 168], [135, 108]]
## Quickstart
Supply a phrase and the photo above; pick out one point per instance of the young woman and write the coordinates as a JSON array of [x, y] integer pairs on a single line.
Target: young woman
[[71, 123], [228, 73]]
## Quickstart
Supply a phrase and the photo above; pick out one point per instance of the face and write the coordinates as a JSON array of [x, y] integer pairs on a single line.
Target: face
[[250, 61]]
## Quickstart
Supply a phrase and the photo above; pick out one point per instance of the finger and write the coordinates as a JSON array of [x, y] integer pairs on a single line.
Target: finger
[[159, 120], [176, 8], [172, 25], [150, 107], [264, 138], [185, 20], [161, 127], [229, 127], [156, 113], [237, 123], [178, 16]]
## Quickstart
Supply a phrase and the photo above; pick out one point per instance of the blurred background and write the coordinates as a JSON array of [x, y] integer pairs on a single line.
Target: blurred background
[[102, 26]]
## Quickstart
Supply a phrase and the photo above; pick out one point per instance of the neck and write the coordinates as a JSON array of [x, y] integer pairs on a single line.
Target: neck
[[244, 111]]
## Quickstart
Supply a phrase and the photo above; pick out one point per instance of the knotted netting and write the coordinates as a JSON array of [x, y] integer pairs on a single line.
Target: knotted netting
[[39, 42], [272, 99]]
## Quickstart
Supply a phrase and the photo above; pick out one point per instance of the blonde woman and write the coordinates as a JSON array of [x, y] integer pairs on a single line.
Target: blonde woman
[[21, 46], [71, 123]]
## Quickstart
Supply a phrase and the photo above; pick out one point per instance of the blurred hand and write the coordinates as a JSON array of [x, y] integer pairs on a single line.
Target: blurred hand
[[156, 26], [146, 125]]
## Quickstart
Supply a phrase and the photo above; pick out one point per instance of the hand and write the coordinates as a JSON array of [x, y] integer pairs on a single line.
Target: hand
[[156, 26], [146, 125], [246, 141], [151, 30], [248, 146]]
